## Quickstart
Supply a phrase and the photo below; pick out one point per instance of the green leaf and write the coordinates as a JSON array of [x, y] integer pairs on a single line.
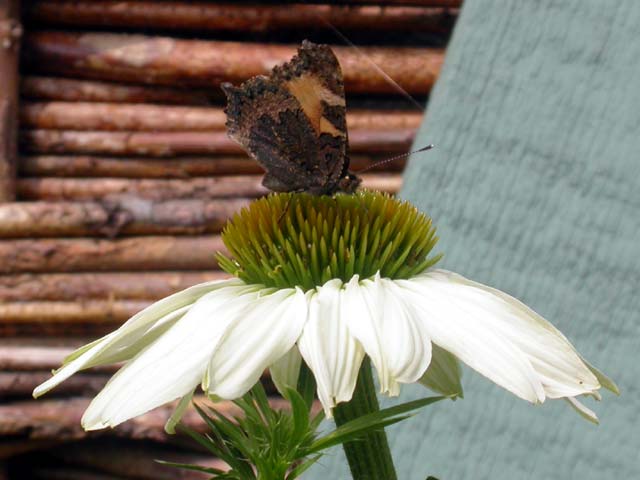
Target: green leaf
[[373, 421], [300, 414], [202, 440], [233, 452], [306, 384], [189, 466], [339, 437], [317, 420], [260, 397], [300, 469]]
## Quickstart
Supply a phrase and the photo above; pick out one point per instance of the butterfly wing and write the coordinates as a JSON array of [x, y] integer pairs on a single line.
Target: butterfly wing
[[293, 122]]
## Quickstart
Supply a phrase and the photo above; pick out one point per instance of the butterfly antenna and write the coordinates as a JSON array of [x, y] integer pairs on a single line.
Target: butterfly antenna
[[395, 157], [384, 74]]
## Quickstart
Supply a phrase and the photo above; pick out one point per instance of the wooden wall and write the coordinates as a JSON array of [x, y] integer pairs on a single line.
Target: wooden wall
[[115, 186]]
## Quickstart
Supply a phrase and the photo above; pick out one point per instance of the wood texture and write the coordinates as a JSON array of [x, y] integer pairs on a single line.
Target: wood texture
[[424, 3], [64, 472], [27, 358], [10, 35], [72, 90], [85, 255], [104, 285], [74, 312], [79, 189], [174, 15], [126, 216], [21, 384], [170, 61], [26, 330], [60, 420], [170, 144], [113, 116], [133, 460], [140, 117], [183, 167], [10, 447]]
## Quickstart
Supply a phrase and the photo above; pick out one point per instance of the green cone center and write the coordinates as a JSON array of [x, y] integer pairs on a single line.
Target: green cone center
[[296, 239]]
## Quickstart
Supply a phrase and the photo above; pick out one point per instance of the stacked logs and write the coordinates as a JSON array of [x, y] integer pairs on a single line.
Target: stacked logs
[[124, 161], [125, 179]]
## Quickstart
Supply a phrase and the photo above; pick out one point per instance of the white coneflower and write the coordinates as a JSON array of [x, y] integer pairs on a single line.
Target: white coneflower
[[328, 280]]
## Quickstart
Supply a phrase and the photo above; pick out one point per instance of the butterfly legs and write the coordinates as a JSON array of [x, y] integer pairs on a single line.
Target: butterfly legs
[[288, 204]]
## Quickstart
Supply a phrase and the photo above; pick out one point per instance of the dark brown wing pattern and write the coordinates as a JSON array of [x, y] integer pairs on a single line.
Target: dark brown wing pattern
[[293, 123]]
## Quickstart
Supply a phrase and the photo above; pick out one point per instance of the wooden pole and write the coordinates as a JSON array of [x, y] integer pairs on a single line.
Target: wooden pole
[[14, 447], [70, 90], [127, 254], [173, 15], [132, 167], [111, 116], [10, 33], [128, 216], [60, 419], [82, 189], [422, 3], [184, 167], [171, 61], [75, 312], [21, 384], [171, 144], [63, 472], [99, 285], [57, 329], [204, 188], [140, 117], [152, 144], [28, 357], [128, 459]]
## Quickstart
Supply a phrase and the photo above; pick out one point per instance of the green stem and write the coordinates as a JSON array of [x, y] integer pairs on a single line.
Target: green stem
[[306, 384], [369, 457]]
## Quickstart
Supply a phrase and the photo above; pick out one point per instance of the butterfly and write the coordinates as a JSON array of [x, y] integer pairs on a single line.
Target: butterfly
[[293, 123]]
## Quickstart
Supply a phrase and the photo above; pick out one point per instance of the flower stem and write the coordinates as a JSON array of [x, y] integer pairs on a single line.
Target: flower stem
[[306, 384], [369, 457]]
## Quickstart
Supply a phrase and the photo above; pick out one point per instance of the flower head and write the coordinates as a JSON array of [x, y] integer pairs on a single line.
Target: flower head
[[328, 280]]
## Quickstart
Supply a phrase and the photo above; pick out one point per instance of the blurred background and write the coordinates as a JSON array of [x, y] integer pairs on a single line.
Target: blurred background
[[116, 177]]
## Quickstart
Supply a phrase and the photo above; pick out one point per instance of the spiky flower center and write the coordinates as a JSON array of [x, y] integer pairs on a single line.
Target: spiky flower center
[[295, 239]]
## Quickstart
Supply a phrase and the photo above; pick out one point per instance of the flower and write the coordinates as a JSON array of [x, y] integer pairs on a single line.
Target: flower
[[327, 281]]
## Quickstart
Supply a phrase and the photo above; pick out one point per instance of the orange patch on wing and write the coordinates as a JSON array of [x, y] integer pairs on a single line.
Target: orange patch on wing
[[310, 93]]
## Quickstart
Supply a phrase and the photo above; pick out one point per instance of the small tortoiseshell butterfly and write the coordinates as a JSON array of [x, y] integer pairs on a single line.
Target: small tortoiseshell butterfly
[[293, 122]]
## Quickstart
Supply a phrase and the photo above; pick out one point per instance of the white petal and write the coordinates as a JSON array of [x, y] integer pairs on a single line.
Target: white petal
[[286, 370], [444, 373], [560, 368], [256, 340], [135, 334], [396, 341], [328, 348], [174, 364], [583, 410], [466, 322]]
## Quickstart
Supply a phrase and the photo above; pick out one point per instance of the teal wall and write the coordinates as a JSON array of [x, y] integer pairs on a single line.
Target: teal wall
[[535, 188]]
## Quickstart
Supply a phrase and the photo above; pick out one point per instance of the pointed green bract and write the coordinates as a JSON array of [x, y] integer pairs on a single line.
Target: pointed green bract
[[296, 239]]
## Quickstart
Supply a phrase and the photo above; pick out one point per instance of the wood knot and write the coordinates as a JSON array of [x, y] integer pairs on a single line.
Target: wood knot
[[10, 33]]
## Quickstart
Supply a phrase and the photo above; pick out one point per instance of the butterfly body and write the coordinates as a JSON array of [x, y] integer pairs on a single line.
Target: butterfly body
[[293, 123]]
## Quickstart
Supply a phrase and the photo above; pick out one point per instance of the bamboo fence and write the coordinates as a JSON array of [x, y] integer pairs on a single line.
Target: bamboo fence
[[117, 177]]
